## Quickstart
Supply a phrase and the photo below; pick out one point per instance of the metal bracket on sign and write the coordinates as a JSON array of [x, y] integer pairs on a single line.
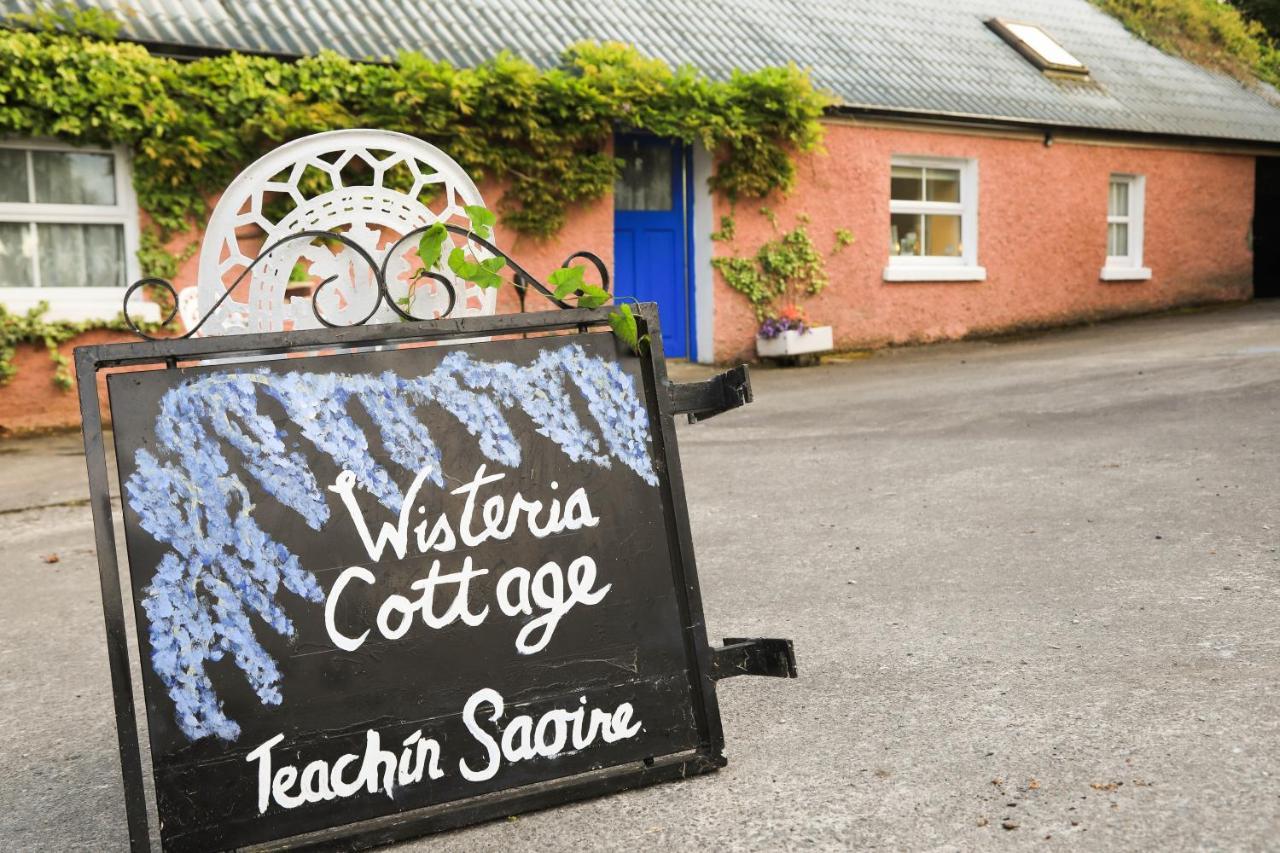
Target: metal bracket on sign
[[742, 656], [702, 400]]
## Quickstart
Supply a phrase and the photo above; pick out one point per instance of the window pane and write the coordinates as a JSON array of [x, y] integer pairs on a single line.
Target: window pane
[[70, 177], [942, 236], [1118, 199], [1043, 44], [906, 183], [81, 255], [13, 175], [1118, 239], [942, 185], [16, 250], [645, 180], [905, 236]]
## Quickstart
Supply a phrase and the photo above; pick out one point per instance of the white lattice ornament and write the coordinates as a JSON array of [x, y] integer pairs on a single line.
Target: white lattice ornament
[[372, 214]]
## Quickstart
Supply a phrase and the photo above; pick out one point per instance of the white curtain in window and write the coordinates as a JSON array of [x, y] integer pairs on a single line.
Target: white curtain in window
[[16, 250], [81, 255]]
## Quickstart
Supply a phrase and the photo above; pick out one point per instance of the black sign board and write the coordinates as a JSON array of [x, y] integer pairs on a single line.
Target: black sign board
[[383, 589]]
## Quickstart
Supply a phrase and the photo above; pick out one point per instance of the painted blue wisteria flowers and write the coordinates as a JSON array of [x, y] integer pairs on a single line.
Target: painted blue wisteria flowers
[[221, 577]]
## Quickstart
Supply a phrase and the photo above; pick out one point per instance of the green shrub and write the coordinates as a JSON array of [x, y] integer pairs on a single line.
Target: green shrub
[[1209, 32], [193, 126]]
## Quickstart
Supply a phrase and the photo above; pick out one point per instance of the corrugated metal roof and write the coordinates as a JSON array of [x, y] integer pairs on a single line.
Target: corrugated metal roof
[[917, 56]]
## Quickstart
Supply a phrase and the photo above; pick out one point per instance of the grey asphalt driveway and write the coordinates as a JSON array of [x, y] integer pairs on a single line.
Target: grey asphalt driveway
[[1033, 585]]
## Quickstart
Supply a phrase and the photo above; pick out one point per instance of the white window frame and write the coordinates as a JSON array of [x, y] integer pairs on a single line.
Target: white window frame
[[1127, 267], [962, 268], [78, 303]]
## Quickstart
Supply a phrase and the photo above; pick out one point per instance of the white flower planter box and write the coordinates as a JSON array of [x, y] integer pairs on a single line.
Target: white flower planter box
[[814, 339]]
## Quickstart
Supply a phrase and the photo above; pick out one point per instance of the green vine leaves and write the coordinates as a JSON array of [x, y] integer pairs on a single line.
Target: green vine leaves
[[570, 283], [430, 247], [543, 134], [32, 328], [566, 282], [625, 329], [781, 272], [482, 273]]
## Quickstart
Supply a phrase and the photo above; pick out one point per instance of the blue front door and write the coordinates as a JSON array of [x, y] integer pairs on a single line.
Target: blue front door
[[650, 235]]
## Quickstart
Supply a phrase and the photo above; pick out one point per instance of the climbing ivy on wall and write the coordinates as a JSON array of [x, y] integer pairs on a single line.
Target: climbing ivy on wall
[[31, 327], [192, 126], [781, 272]]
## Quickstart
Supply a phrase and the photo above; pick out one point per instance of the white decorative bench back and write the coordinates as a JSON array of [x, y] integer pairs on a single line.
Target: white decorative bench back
[[403, 184]]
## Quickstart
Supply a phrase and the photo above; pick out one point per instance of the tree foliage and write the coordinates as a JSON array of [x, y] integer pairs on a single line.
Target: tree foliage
[[1209, 32], [1265, 12]]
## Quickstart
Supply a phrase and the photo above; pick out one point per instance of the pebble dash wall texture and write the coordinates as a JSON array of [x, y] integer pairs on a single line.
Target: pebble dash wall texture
[[1041, 236]]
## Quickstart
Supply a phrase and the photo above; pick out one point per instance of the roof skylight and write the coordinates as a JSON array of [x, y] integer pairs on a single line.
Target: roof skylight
[[1039, 47]]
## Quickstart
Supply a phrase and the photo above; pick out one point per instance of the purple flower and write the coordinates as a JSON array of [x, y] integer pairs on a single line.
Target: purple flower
[[775, 326]]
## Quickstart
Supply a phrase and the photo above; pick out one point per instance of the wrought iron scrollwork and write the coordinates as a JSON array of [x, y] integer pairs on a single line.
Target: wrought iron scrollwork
[[522, 278]]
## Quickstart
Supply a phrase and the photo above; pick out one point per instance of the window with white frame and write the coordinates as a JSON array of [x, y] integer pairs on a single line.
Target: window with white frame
[[933, 220], [68, 228], [1124, 228]]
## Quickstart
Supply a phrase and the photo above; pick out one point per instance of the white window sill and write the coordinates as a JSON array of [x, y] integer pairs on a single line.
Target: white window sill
[[78, 303], [926, 272], [1125, 273]]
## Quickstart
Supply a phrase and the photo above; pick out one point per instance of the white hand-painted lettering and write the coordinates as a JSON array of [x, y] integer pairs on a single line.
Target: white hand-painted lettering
[[497, 519], [549, 591], [523, 739], [398, 535], [547, 594], [347, 644], [546, 589], [380, 770]]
